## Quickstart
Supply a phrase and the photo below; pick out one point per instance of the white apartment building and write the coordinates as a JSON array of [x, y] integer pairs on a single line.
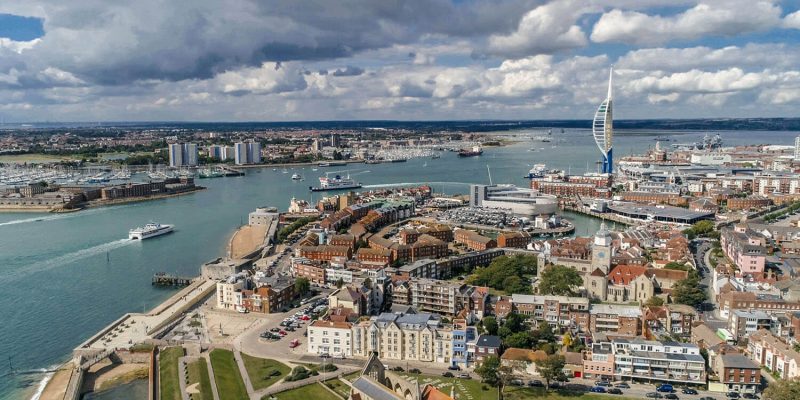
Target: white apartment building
[[332, 338], [182, 154], [654, 361], [229, 293]]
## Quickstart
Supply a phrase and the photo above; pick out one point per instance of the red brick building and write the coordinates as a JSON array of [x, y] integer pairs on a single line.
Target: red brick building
[[513, 239], [324, 252], [366, 254], [473, 240]]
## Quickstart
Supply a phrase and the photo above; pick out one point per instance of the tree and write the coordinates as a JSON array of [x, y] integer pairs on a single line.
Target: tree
[[655, 301], [677, 266], [521, 340], [339, 283], [489, 370], [545, 332], [302, 285], [490, 325], [783, 390], [550, 368], [559, 280], [689, 292], [566, 340], [515, 284], [506, 273]]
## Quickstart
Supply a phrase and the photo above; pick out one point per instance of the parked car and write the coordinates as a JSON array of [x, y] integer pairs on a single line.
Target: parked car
[[464, 376], [707, 398], [282, 333], [749, 396], [275, 329], [325, 355], [671, 396], [535, 383], [654, 395], [622, 385], [289, 329], [732, 395], [454, 368], [603, 384], [614, 391], [665, 388], [517, 382], [414, 371], [447, 374], [598, 389], [397, 369], [689, 391], [554, 385]]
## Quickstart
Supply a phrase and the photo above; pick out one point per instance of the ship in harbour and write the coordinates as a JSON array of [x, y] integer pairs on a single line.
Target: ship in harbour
[[148, 231], [475, 151], [336, 182]]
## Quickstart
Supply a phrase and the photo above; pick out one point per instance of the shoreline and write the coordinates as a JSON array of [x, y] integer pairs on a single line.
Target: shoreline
[[96, 203]]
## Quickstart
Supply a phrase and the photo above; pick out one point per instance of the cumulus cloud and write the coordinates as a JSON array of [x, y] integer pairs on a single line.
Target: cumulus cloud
[[702, 57], [792, 20], [269, 79], [544, 30], [710, 17]]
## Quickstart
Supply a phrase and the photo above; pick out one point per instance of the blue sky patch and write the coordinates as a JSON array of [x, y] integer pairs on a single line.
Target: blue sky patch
[[20, 28]]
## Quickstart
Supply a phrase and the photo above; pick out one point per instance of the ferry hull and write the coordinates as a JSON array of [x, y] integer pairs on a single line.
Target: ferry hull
[[321, 189]]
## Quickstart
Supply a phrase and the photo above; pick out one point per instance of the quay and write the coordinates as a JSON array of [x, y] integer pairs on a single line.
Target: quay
[[165, 279], [229, 171]]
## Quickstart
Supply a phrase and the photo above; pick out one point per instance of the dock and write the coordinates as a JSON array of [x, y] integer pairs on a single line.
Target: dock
[[165, 279], [229, 171]]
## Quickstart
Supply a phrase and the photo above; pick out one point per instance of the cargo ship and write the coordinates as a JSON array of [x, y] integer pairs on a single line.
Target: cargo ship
[[336, 183], [475, 151]]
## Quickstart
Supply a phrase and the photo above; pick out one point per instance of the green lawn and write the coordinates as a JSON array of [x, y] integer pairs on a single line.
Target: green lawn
[[198, 373], [464, 387], [226, 373], [338, 386], [261, 371], [308, 392], [521, 393], [168, 373]]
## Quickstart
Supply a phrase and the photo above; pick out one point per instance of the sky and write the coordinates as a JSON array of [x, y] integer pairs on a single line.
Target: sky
[[291, 60]]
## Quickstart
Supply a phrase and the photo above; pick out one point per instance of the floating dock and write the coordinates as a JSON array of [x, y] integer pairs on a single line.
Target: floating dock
[[165, 279]]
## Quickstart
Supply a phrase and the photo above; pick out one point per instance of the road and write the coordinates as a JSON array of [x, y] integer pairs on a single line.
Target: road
[[701, 252]]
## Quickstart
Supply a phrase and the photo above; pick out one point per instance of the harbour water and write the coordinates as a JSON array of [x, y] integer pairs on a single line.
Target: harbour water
[[65, 276]]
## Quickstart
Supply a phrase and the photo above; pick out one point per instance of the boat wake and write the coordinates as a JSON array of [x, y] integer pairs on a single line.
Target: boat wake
[[56, 217], [416, 184], [65, 259]]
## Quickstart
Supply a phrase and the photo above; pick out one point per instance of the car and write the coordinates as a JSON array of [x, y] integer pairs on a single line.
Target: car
[[275, 329], [397, 369], [535, 383], [464, 376], [554, 385], [282, 333], [749, 396], [284, 323], [654, 395], [414, 371], [689, 391], [454, 368], [290, 329], [665, 388], [597, 389], [305, 317], [623, 385], [614, 391], [732, 395], [707, 398], [603, 384], [517, 382], [325, 355], [447, 374], [671, 396]]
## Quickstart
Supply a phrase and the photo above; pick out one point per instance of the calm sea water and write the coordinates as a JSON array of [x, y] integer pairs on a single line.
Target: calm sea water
[[63, 277]]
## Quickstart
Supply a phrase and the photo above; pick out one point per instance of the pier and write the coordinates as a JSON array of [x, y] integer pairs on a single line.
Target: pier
[[165, 279], [229, 171]]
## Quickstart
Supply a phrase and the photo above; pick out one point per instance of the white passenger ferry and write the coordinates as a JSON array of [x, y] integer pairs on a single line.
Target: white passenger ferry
[[148, 231]]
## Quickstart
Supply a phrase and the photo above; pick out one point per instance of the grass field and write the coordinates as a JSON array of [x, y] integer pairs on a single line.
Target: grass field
[[226, 373], [35, 158], [338, 386], [198, 373], [467, 389], [168, 373], [520, 393], [260, 371], [308, 392]]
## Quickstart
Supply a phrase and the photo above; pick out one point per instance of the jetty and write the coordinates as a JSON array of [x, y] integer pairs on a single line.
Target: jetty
[[165, 279]]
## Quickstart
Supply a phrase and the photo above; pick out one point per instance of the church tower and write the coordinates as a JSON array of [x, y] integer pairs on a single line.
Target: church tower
[[601, 250]]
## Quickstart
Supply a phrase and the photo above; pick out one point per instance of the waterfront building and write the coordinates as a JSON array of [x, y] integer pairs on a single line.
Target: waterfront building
[[412, 337], [603, 129], [182, 154], [247, 153], [487, 346], [654, 361], [558, 311], [331, 338], [464, 337], [523, 202], [615, 319], [518, 239]]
